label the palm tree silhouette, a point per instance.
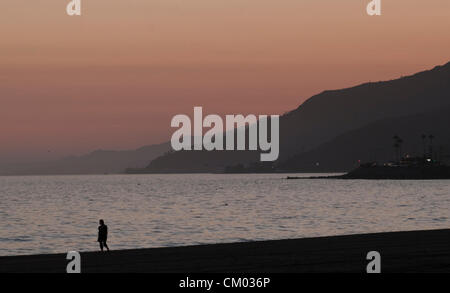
(431, 137)
(424, 141)
(397, 146)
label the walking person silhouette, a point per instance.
(102, 235)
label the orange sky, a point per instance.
(114, 77)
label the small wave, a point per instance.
(441, 219)
(17, 239)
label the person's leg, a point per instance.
(106, 245)
(101, 245)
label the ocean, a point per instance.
(51, 214)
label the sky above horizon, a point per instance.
(114, 77)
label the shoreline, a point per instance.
(411, 251)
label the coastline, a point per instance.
(411, 251)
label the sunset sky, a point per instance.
(114, 77)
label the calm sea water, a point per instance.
(47, 214)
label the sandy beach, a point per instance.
(415, 251)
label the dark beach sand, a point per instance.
(416, 251)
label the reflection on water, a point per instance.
(46, 214)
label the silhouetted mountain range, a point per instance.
(97, 162)
(333, 127)
(330, 131)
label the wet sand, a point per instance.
(416, 251)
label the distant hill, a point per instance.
(328, 115)
(97, 162)
(198, 161)
(374, 142)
